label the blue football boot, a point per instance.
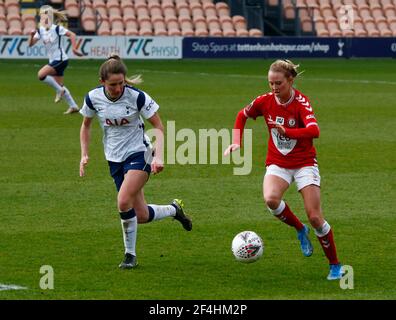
(305, 243)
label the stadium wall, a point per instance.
(96, 47)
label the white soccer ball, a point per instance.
(247, 246)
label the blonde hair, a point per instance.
(288, 68)
(59, 16)
(114, 65)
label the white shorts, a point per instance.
(304, 176)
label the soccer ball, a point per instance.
(247, 246)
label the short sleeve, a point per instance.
(306, 113)
(88, 109)
(62, 30)
(146, 105)
(37, 35)
(254, 109)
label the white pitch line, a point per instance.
(246, 76)
(263, 77)
(4, 287)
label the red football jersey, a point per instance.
(297, 113)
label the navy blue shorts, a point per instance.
(59, 66)
(135, 161)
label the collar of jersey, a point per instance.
(288, 102)
(113, 100)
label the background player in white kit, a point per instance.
(51, 34)
(120, 108)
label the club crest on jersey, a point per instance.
(116, 122)
(291, 122)
(128, 109)
(280, 120)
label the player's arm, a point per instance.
(32, 39)
(310, 130)
(250, 111)
(157, 165)
(72, 37)
(85, 137)
(237, 132)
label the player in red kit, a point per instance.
(291, 157)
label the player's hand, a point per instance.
(280, 128)
(157, 165)
(32, 32)
(77, 53)
(83, 163)
(231, 148)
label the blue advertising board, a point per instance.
(284, 47)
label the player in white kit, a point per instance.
(120, 108)
(52, 34)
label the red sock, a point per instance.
(288, 217)
(329, 247)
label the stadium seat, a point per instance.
(9, 3)
(312, 4)
(242, 33)
(273, 2)
(239, 21)
(126, 4)
(113, 4)
(89, 25)
(140, 4)
(255, 32)
(384, 29)
(3, 27)
(387, 4)
(321, 30)
(360, 4)
(28, 22)
(160, 28)
(104, 28)
(15, 27)
(117, 28)
(131, 28)
(222, 9)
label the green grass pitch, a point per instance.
(50, 216)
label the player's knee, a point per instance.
(41, 77)
(315, 220)
(272, 202)
(124, 204)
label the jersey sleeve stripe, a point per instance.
(141, 100)
(89, 102)
(312, 124)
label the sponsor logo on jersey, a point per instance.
(149, 106)
(116, 122)
(280, 120)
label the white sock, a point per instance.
(51, 81)
(129, 232)
(323, 230)
(69, 99)
(161, 212)
(279, 210)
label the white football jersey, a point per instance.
(52, 39)
(121, 120)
